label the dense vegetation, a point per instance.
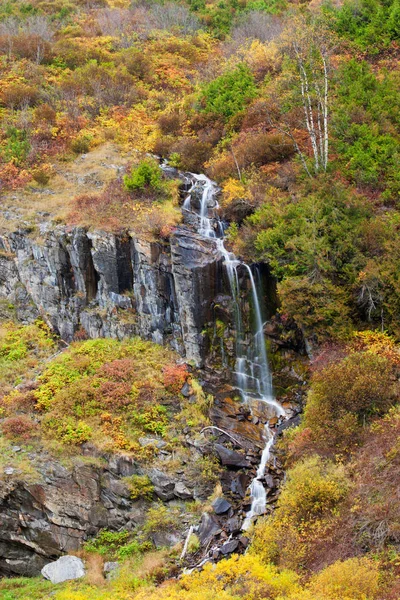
(294, 110)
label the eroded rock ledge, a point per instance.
(113, 285)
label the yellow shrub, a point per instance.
(353, 579)
(309, 498)
(313, 488)
(262, 58)
(237, 577)
(233, 189)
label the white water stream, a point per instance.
(252, 372)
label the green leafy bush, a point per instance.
(228, 94)
(146, 175)
(16, 146)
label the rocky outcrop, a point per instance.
(63, 507)
(42, 520)
(113, 285)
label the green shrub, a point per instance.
(107, 542)
(146, 175)
(160, 518)
(370, 24)
(228, 94)
(16, 146)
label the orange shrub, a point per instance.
(174, 377)
(12, 178)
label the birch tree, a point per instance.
(307, 49)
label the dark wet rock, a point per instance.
(113, 285)
(240, 484)
(270, 482)
(225, 414)
(221, 506)
(231, 458)
(40, 521)
(229, 547)
(208, 528)
(233, 525)
(164, 485)
(292, 422)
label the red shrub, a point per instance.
(115, 394)
(121, 369)
(174, 377)
(18, 427)
(12, 178)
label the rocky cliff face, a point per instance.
(118, 285)
(64, 506)
(113, 285)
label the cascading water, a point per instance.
(252, 372)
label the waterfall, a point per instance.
(252, 372)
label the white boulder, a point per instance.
(64, 569)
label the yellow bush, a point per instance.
(353, 579)
(233, 189)
(262, 58)
(313, 488)
(309, 498)
(242, 577)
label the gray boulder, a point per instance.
(221, 506)
(229, 547)
(64, 569)
(231, 458)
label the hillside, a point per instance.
(200, 299)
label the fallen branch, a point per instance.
(224, 432)
(185, 547)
